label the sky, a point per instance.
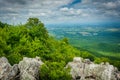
(60, 11)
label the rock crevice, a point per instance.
(84, 69)
(27, 69)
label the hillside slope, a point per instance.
(32, 39)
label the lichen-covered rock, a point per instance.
(118, 75)
(5, 68)
(81, 69)
(14, 73)
(29, 68)
(7, 72)
(86, 70)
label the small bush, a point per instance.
(54, 71)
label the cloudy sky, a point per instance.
(59, 11)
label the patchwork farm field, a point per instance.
(100, 40)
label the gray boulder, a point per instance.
(86, 70)
(7, 72)
(81, 69)
(14, 73)
(29, 68)
(118, 75)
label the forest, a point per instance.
(32, 39)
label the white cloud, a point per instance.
(111, 13)
(48, 4)
(64, 9)
(110, 5)
(61, 10)
(71, 11)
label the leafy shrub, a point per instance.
(54, 71)
(102, 59)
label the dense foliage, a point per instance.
(31, 40)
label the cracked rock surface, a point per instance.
(84, 69)
(27, 69)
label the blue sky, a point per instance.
(74, 2)
(60, 11)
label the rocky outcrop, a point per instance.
(84, 69)
(27, 69)
(81, 69)
(7, 72)
(5, 68)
